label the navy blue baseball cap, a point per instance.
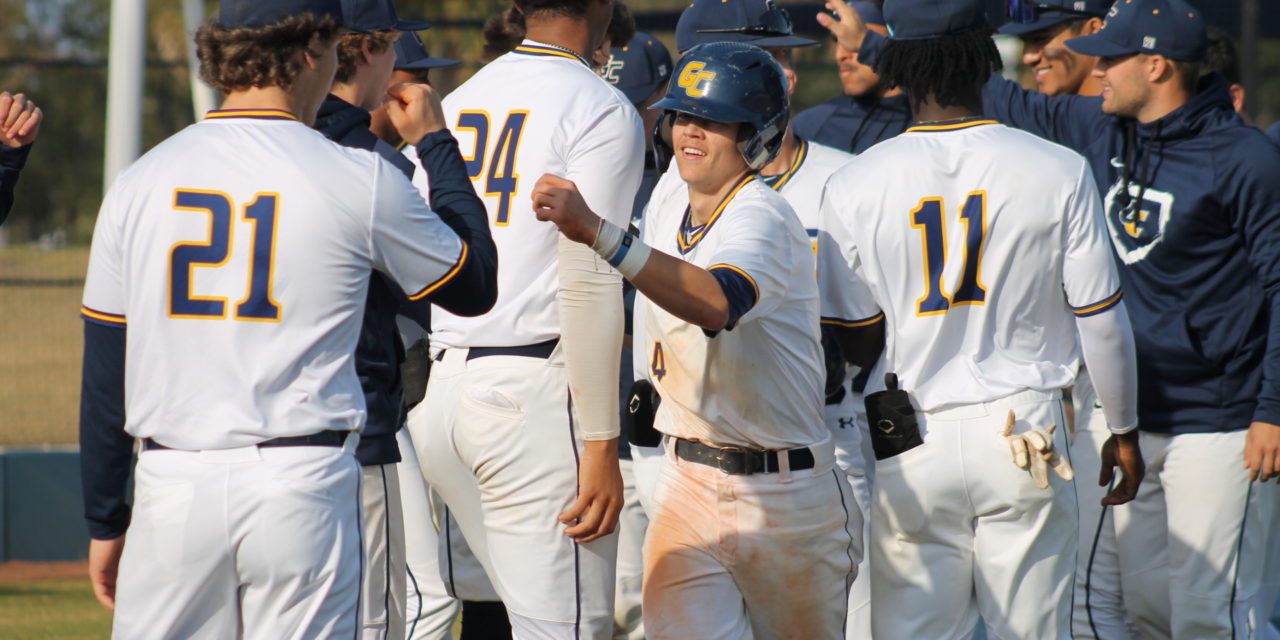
(925, 19)
(412, 54)
(639, 68)
(868, 11)
(1171, 28)
(377, 15)
(1027, 16)
(262, 13)
(760, 22)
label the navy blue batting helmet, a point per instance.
(734, 82)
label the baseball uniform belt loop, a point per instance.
(739, 461)
(541, 350)
(330, 438)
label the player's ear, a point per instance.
(1092, 25)
(791, 80)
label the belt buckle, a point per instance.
(721, 458)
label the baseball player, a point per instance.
(1174, 162)
(1044, 27)
(19, 125)
(365, 63)
(866, 111)
(752, 533)
(413, 65)
(520, 434)
(243, 235)
(961, 258)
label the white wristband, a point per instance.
(631, 257)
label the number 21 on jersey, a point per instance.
(257, 304)
(929, 217)
(501, 179)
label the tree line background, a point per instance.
(55, 51)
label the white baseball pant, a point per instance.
(628, 623)
(768, 555)
(1098, 612)
(243, 543)
(499, 445)
(1193, 545)
(382, 590)
(847, 421)
(960, 531)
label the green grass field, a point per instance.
(40, 343)
(55, 608)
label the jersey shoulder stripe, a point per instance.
(102, 317)
(446, 278)
(1099, 306)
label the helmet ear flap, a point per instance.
(759, 147)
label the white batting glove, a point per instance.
(1033, 450)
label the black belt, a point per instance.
(329, 438)
(541, 350)
(742, 461)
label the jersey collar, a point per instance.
(687, 244)
(780, 180)
(256, 114)
(952, 125)
(533, 48)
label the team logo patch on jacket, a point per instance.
(1137, 222)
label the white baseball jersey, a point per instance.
(539, 109)
(977, 254)
(758, 384)
(803, 181)
(238, 252)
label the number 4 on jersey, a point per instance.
(930, 218)
(501, 180)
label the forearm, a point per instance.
(105, 449)
(475, 289)
(591, 327)
(684, 290)
(1107, 342)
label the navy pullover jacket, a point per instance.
(1197, 237)
(106, 449)
(853, 124)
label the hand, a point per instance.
(1262, 451)
(595, 514)
(1121, 450)
(558, 200)
(415, 111)
(1033, 450)
(849, 30)
(19, 120)
(104, 561)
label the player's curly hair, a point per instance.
(351, 45)
(502, 33)
(239, 58)
(950, 69)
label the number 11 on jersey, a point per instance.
(930, 218)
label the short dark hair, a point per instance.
(622, 27)
(502, 32)
(570, 8)
(1221, 56)
(952, 69)
(351, 46)
(239, 58)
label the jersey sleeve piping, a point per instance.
(740, 272)
(853, 324)
(102, 317)
(1098, 307)
(457, 268)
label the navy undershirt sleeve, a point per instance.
(11, 163)
(740, 292)
(474, 290)
(106, 451)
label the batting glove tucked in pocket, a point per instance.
(1033, 450)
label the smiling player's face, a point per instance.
(707, 152)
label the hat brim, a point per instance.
(412, 25)
(1047, 19)
(1097, 44)
(783, 42)
(429, 63)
